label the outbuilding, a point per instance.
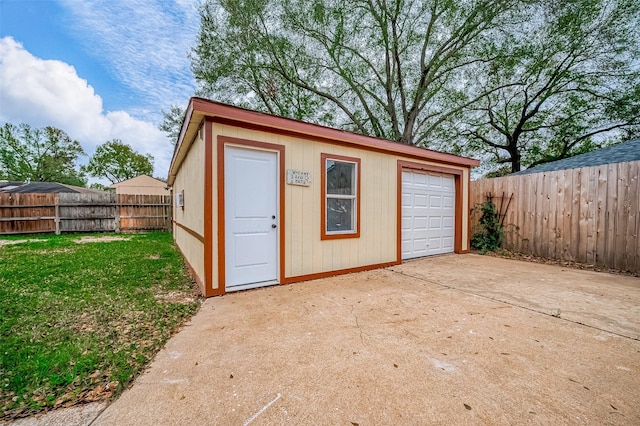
(262, 200)
(141, 185)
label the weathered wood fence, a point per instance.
(589, 215)
(60, 213)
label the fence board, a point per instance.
(552, 214)
(623, 216)
(612, 206)
(567, 176)
(601, 228)
(633, 244)
(16, 209)
(72, 212)
(589, 215)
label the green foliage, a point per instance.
(566, 83)
(390, 69)
(117, 161)
(99, 186)
(75, 318)
(521, 82)
(39, 155)
(488, 233)
(172, 122)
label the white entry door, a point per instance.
(251, 218)
(428, 212)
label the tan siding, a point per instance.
(141, 185)
(190, 178)
(192, 249)
(305, 253)
(465, 209)
(141, 190)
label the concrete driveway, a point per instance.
(457, 339)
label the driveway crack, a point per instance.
(554, 313)
(357, 324)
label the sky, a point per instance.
(98, 69)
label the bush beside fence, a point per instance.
(589, 215)
(71, 212)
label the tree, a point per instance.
(387, 68)
(172, 122)
(98, 186)
(117, 161)
(39, 155)
(574, 84)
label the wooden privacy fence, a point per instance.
(589, 215)
(64, 212)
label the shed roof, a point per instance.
(44, 188)
(141, 180)
(620, 153)
(199, 109)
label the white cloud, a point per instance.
(144, 44)
(50, 92)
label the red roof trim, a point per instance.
(238, 115)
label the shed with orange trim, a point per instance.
(262, 200)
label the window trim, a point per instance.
(333, 235)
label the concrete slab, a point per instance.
(429, 341)
(602, 301)
(79, 415)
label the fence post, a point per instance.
(57, 214)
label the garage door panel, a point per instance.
(406, 223)
(449, 183)
(447, 243)
(428, 211)
(435, 222)
(406, 200)
(447, 202)
(420, 200)
(419, 180)
(420, 223)
(435, 201)
(435, 181)
(419, 245)
(447, 223)
(435, 244)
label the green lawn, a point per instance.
(78, 322)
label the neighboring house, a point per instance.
(141, 185)
(263, 200)
(44, 188)
(620, 153)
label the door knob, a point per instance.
(273, 225)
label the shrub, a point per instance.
(488, 234)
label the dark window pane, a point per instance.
(340, 178)
(340, 215)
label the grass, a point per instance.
(78, 322)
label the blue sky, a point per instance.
(99, 69)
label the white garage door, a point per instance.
(428, 212)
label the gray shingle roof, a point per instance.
(43, 188)
(620, 153)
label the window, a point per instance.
(340, 197)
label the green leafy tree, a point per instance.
(573, 77)
(39, 155)
(387, 68)
(98, 186)
(117, 161)
(172, 122)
